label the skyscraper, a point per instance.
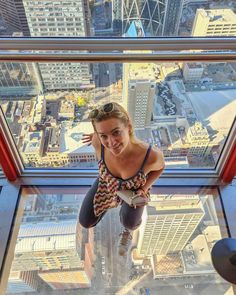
(158, 17)
(192, 72)
(19, 79)
(139, 92)
(61, 19)
(13, 14)
(61, 253)
(199, 140)
(140, 102)
(117, 16)
(22, 281)
(173, 11)
(168, 224)
(214, 22)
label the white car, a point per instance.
(103, 270)
(103, 260)
(188, 286)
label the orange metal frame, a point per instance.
(6, 160)
(229, 170)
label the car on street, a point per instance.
(188, 286)
(103, 260)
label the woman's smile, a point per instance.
(116, 148)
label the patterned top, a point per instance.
(106, 196)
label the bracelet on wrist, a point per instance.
(142, 190)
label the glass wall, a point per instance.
(184, 108)
(50, 251)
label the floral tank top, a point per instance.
(106, 195)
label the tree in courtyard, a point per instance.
(81, 101)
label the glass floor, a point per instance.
(50, 253)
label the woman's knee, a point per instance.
(130, 223)
(85, 222)
(130, 217)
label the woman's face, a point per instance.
(114, 135)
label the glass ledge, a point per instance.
(50, 253)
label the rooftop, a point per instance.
(142, 71)
(33, 142)
(214, 109)
(71, 135)
(46, 236)
(169, 264)
(218, 15)
(194, 65)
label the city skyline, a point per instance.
(165, 100)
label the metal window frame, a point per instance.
(171, 48)
(13, 156)
(110, 49)
(222, 56)
(106, 44)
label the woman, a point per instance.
(124, 163)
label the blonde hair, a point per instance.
(117, 112)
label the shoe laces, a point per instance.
(125, 237)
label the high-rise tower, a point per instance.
(60, 253)
(61, 19)
(173, 11)
(214, 22)
(13, 14)
(19, 79)
(168, 224)
(139, 92)
(158, 17)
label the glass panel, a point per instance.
(186, 109)
(135, 18)
(170, 250)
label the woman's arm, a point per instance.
(92, 138)
(151, 178)
(155, 167)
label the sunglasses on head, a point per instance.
(106, 108)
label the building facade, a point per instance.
(61, 19)
(192, 72)
(214, 22)
(158, 17)
(19, 79)
(55, 252)
(13, 14)
(139, 92)
(168, 224)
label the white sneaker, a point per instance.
(124, 242)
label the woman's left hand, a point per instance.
(142, 193)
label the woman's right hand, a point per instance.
(87, 138)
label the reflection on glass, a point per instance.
(186, 109)
(170, 250)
